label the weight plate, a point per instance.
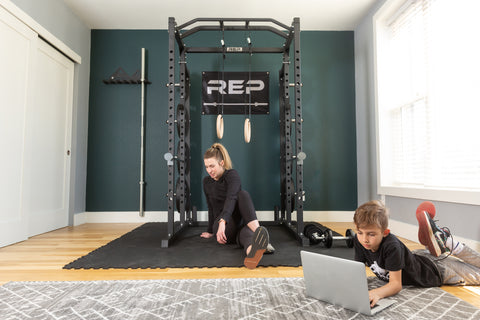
(309, 230)
(186, 119)
(185, 196)
(350, 235)
(328, 234)
(186, 160)
(292, 197)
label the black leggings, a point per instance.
(237, 230)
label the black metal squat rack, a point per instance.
(291, 154)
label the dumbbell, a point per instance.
(316, 235)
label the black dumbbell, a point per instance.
(314, 231)
(317, 235)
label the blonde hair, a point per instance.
(219, 152)
(371, 213)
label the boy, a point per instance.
(394, 263)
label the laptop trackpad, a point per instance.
(382, 304)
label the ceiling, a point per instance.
(153, 14)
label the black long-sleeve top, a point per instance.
(393, 255)
(221, 196)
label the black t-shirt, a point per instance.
(222, 195)
(393, 255)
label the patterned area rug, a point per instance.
(272, 298)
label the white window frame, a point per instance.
(384, 184)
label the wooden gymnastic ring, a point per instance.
(220, 126)
(247, 130)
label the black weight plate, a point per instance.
(292, 190)
(186, 121)
(350, 235)
(186, 161)
(328, 234)
(309, 230)
(185, 196)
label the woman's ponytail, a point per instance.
(219, 152)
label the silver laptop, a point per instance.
(340, 282)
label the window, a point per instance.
(428, 99)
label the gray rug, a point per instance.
(272, 298)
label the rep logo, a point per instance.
(235, 86)
(235, 92)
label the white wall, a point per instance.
(365, 102)
(463, 220)
(60, 21)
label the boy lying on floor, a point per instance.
(394, 263)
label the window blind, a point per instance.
(429, 110)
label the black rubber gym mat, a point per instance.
(141, 248)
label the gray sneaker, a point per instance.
(430, 235)
(259, 245)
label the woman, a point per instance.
(231, 215)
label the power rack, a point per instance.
(292, 193)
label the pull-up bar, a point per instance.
(222, 25)
(285, 32)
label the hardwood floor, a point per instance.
(42, 257)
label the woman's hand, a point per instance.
(206, 235)
(221, 237)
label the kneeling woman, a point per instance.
(231, 214)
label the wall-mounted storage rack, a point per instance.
(121, 77)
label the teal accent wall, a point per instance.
(328, 101)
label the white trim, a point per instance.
(328, 216)
(410, 232)
(150, 216)
(455, 196)
(385, 185)
(79, 219)
(119, 217)
(42, 32)
(161, 216)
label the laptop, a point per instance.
(340, 282)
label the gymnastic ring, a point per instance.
(220, 126)
(247, 130)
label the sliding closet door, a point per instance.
(48, 142)
(36, 102)
(17, 58)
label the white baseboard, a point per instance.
(161, 216)
(398, 228)
(79, 218)
(120, 217)
(328, 216)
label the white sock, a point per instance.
(454, 246)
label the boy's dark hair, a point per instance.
(371, 213)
